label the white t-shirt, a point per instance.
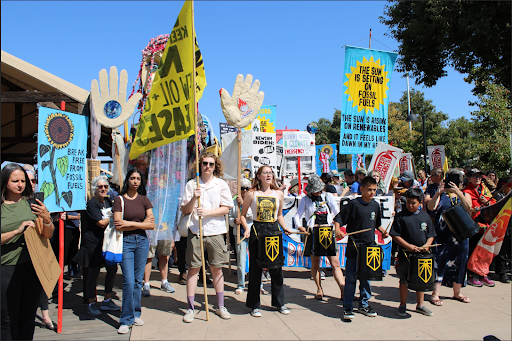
(213, 196)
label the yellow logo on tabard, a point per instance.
(272, 247)
(425, 269)
(325, 236)
(373, 257)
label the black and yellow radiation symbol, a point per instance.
(425, 269)
(373, 257)
(266, 209)
(325, 237)
(272, 247)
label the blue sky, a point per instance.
(295, 48)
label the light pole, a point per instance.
(412, 118)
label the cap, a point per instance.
(360, 171)
(334, 173)
(407, 176)
(474, 171)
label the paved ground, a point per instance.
(489, 313)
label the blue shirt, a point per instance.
(356, 187)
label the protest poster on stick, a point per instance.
(61, 162)
(263, 151)
(406, 163)
(385, 160)
(364, 102)
(326, 158)
(265, 122)
(436, 156)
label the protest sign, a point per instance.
(364, 102)
(436, 156)
(385, 160)
(226, 128)
(265, 121)
(298, 143)
(326, 158)
(169, 110)
(405, 163)
(357, 162)
(61, 162)
(263, 151)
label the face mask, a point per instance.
(316, 197)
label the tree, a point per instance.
(460, 140)
(329, 132)
(492, 123)
(473, 37)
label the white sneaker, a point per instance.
(256, 312)
(138, 322)
(189, 316)
(283, 310)
(123, 329)
(223, 312)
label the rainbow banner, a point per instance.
(364, 102)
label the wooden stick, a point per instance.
(426, 247)
(197, 162)
(352, 233)
(228, 239)
(304, 233)
(241, 240)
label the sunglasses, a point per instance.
(209, 164)
(244, 188)
(102, 186)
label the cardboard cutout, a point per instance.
(241, 108)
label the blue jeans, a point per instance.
(135, 252)
(350, 286)
(241, 259)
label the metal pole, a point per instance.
(425, 145)
(370, 44)
(408, 102)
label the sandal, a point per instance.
(461, 298)
(238, 291)
(48, 325)
(319, 297)
(437, 302)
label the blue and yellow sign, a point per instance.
(364, 102)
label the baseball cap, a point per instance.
(407, 176)
(360, 171)
(474, 171)
(334, 173)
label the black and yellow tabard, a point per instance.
(369, 262)
(421, 272)
(324, 242)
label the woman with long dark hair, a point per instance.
(266, 203)
(133, 214)
(20, 285)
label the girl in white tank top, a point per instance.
(265, 206)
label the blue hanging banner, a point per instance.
(364, 102)
(326, 158)
(61, 159)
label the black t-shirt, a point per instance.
(92, 234)
(330, 189)
(415, 228)
(359, 215)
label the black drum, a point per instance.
(324, 242)
(421, 272)
(270, 249)
(460, 223)
(369, 262)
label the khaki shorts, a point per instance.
(214, 245)
(163, 248)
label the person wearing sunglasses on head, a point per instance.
(215, 202)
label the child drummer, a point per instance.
(413, 231)
(359, 214)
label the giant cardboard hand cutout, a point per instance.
(109, 108)
(241, 108)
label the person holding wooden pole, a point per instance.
(208, 217)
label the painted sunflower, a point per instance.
(59, 130)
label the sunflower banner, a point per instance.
(61, 159)
(364, 102)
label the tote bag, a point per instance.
(113, 241)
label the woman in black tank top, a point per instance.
(267, 202)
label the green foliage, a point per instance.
(329, 132)
(474, 37)
(47, 189)
(62, 165)
(43, 149)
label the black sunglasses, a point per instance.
(244, 188)
(211, 164)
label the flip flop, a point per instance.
(461, 298)
(437, 302)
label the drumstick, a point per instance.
(298, 232)
(351, 233)
(426, 247)
(241, 240)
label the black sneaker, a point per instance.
(368, 311)
(504, 278)
(348, 314)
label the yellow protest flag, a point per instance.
(169, 111)
(445, 165)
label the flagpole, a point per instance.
(197, 161)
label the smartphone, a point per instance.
(37, 195)
(455, 178)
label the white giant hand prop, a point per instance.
(109, 108)
(241, 108)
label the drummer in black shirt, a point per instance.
(359, 214)
(413, 231)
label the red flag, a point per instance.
(490, 243)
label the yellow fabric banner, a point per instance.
(169, 111)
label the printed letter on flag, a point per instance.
(169, 111)
(364, 102)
